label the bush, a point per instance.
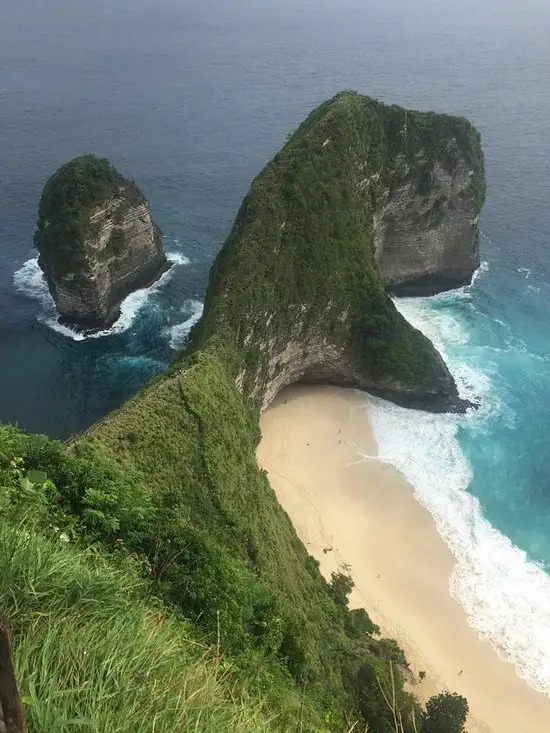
(445, 713)
(359, 624)
(341, 585)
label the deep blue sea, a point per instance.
(191, 98)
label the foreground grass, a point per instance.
(130, 614)
(93, 655)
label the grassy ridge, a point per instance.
(236, 552)
(214, 551)
(224, 549)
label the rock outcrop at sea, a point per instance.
(363, 198)
(97, 242)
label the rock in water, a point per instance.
(97, 242)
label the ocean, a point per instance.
(191, 99)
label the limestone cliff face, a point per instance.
(97, 242)
(311, 354)
(427, 240)
(362, 198)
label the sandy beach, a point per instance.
(364, 513)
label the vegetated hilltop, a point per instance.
(168, 487)
(96, 240)
(296, 290)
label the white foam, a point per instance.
(483, 267)
(30, 281)
(506, 597)
(177, 258)
(178, 333)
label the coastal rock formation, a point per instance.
(294, 294)
(427, 229)
(361, 197)
(97, 242)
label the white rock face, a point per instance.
(308, 353)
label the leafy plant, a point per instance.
(445, 713)
(341, 585)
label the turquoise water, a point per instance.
(484, 476)
(191, 99)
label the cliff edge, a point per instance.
(362, 197)
(97, 241)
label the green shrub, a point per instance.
(445, 713)
(341, 585)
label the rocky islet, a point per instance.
(97, 242)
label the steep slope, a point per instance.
(96, 240)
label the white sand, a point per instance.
(364, 514)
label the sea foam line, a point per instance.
(29, 280)
(505, 595)
(180, 331)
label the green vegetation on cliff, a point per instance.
(94, 651)
(300, 261)
(70, 196)
(167, 489)
(262, 627)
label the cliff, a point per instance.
(97, 241)
(363, 195)
(426, 211)
(294, 294)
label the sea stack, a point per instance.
(97, 242)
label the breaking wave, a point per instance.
(29, 280)
(179, 332)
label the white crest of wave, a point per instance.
(506, 596)
(180, 331)
(30, 281)
(177, 259)
(483, 267)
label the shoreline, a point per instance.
(363, 513)
(89, 327)
(30, 282)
